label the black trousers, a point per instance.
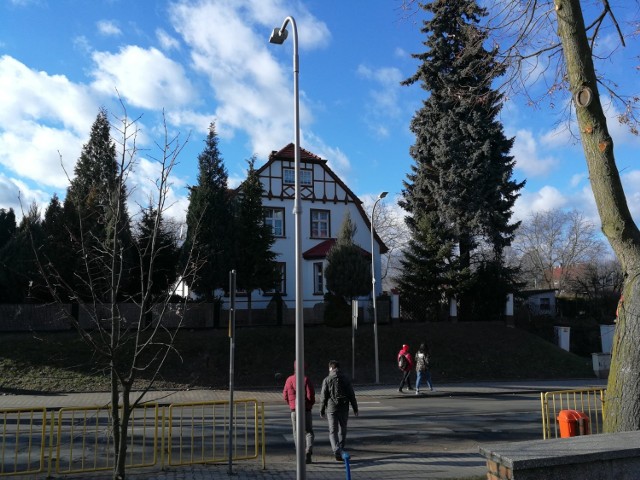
(406, 378)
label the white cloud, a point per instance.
(32, 95)
(144, 77)
(142, 190)
(528, 157)
(108, 28)
(42, 117)
(547, 198)
(18, 195)
(229, 45)
(167, 42)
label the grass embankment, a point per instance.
(61, 362)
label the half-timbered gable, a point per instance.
(325, 199)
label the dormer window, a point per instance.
(289, 174)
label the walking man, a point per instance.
(289, 396)
(335, 397)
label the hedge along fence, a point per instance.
(55, 317)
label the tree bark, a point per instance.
(622, 403)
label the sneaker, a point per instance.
(339, 457)
(417, 392)
(400, 390)
(409, 388)
(308, 458)
(432, 389)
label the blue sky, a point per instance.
(210, 60)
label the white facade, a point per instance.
(324, 201)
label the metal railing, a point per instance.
(77, 440)
(590, 401)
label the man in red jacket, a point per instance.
(405, 364)
(289, 396)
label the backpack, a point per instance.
(402, 362)
(338, 390)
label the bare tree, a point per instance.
(553, 244)
(132, 349)
(392, 230)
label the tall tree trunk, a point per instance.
(622, 406)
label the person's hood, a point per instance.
(405, 348)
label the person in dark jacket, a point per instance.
(335, 397)
(289, 396)
(406, 367)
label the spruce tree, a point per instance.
(96, 215)
(209, 220)
(462, 165)
(158, 255)
(348, 272)
(58, 250)
(7, 225)
(19, 275)
(253, 259)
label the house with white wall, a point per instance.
(324, 200)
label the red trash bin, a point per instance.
(573, 423)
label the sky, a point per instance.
(193, 62)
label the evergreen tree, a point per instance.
(462, 165)
(209, 220)
(96, 213)
(57, 248)
(254, 260)
(158, 255)
(19, 274)
(348, 272)
(7, 225)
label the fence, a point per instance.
(590, 401)
(79, 440)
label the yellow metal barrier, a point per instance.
(85, 442)
(590, 401)
(79, 440)
(198, 432)
(23, 442)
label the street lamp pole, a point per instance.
(373, 289)
(278, 36)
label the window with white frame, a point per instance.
(318, 278)
(274, 217)
(281, 282)
(320, 223)
(289, 176)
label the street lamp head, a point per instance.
(383, 194)
(278, 36)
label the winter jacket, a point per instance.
(404, 351)
(289, 392)
(422, 362)
(330, 404)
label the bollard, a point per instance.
(346, 457)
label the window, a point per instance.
(320, 224)
(281, 284)
(545, 304)
(306, 177)
(318, 278)
(274, 217)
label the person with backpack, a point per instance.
(423, 367)
(335, 397)
(289, 396)
(405, 364)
